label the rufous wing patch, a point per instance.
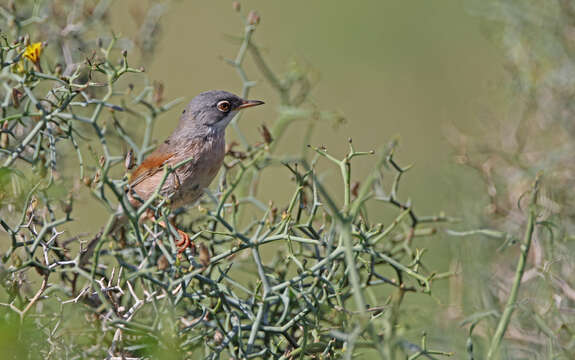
(151, 165)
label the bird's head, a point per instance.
(213, 110)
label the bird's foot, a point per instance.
(185, 242)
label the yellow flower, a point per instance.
(33, 52)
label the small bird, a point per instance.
(200, 135)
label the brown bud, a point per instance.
(32, 207)
(122, 241)
(67, 205)
(102, 161)
(355, 188)
(163, 263)
(129, 160)
(158, 92)
(254, 17)
(304, 201)
(96, 177)
(16, 96)
(4, 136)
(237, 6)
(235, 202)
(266, 135)
(204, 256)
(124, 53)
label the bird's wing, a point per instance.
(151, 165)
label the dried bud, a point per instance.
(4, 136)
(26, 40)
(204, 256)
(355, 188)
(129, 160)
(304, 201)
(124, 53)
(158, 92)
(254, 18)
(16, 96)
(87, 181)
(237, 6)
(177, 183)
(102, 161)
(162, 263)
(96, 177)
(266, 135)
(32, 207)
(67, 205)
(235, 203)
(122, 241)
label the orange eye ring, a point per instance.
(224, 106)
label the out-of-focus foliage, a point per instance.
(318, 277)
(538, 135)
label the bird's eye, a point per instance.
(224, 106)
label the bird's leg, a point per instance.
(184, 241)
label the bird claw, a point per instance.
(185, 242)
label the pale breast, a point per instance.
(186, 185)
(192, 179)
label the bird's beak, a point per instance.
(249, 103)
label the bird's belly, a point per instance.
(191, 181)
(187, 183)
